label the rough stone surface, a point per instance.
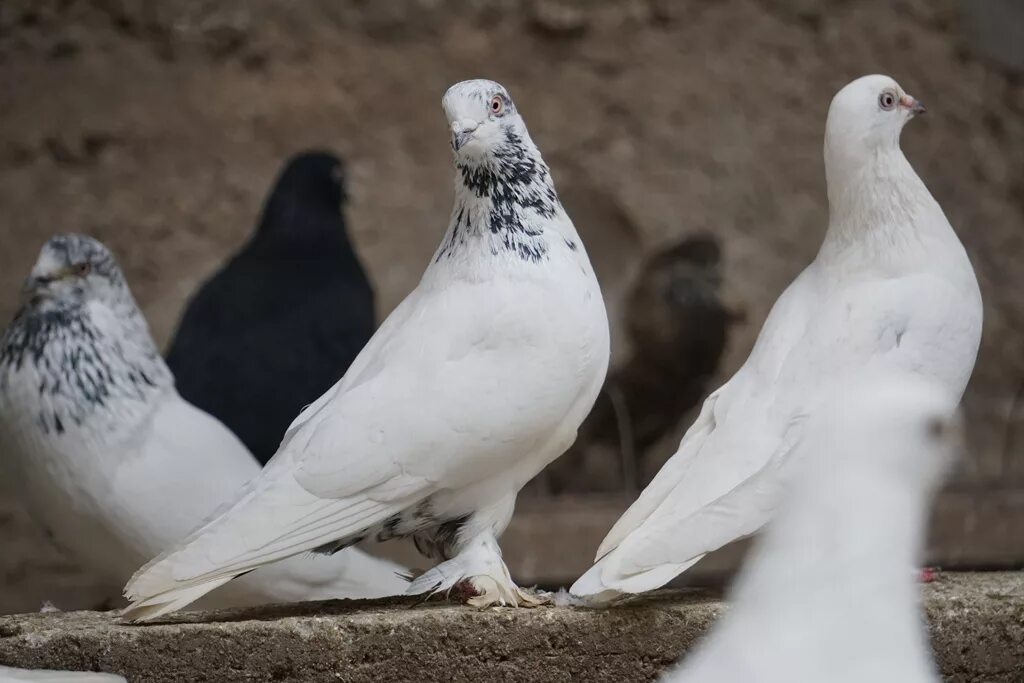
(977, 627)
(158, 127)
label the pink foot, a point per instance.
(928, 574)
(462, 591)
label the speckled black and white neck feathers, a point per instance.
(505, 200)
(79, 346)
(504, 194)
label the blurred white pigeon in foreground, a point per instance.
(108, 458)
(472, 385)
(11, 675)
(890, 289)
(829, 593)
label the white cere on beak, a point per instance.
(912, 105)
(462, 131)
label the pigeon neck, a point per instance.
(504, 204)
(89, 367)
(879, 203)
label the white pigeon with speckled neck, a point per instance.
(106, 455)
(474, 383)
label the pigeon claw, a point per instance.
(490, 593)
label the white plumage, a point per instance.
(891, 289)
(476, 381)
(11, 675)
(107, 456)
(830, 592)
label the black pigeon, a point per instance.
(284, 318)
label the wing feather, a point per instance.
(389, 434)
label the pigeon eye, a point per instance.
(81, 269)
(497, 105)
(887, 100)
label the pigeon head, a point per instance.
(302, 218)
(483, 119)
(503, 188)
(71, 271)
(79, 341)
(314, 178)
(866, 118)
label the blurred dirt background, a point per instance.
(158, 127)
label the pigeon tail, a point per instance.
(351, 573)
(602, 584)
(170, 601)
(238, 539)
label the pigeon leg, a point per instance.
(479, 573)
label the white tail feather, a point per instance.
(272, 521)
(601, 585)
(170, 601)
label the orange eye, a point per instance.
(82, 269)
(497, 105)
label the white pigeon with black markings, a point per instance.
(106, 455)
(830, 591)
(891, 288)
(475, 382)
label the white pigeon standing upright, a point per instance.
(891, 288)
(475, 382)
(106, 455)
(829, 592)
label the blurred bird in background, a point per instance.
(106, 455)
(677, 321)
(829, 592)
(282, 321)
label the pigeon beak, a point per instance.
(462, 132)
(912, 105)
(38, 284)
(35, 288)
(34, 283)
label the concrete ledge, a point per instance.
(977, 624)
